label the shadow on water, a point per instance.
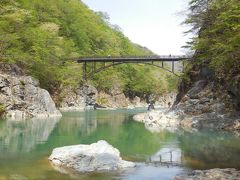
(25, 146)
(209, 149)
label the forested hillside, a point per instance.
(40, 35)
(216, 26)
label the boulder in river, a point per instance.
(99, 156)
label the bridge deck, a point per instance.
(132, 59)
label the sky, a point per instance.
(154, 24)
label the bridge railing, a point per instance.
(132, 58)
(135, 57)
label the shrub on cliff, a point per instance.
(2, 109)
(217, 41)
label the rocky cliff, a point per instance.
(21, 97)
(83, 97)
(115, 98)
(205, 102)
(202, 102)
(88, 97)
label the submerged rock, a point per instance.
(99, 156)
(212, 174)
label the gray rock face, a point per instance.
(212, 174)
(203, 107)
(115, 98)
(22, 98)
(11, 69)
(196, 89)
(234, 90)
(82, 98)
(165, 101)
(99, 156)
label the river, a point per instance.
(26, 145)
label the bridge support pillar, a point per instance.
(173, 66)
(183, 66)
(85, 71)
(94, 66)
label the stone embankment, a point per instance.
(21, 97)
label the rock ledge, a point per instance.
(22, 98)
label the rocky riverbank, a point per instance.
(87, 97)
(204, 104)
(81, 98)
(204, 101)
(198, 109)
(21, 97)
(158, 120)
(212, 174)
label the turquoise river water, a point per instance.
(26, 145)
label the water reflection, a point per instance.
(168, 156)
(88, 121)
(199, 150)
(116, 127)
(35, 139)
(209, 149)
(23, 136)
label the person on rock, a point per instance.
(151, 106)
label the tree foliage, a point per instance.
(217, 25)
(40, 35)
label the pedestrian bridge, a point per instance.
(172, 63)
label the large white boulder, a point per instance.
(99, 156)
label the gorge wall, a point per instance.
(21, 97)
(204, 102)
